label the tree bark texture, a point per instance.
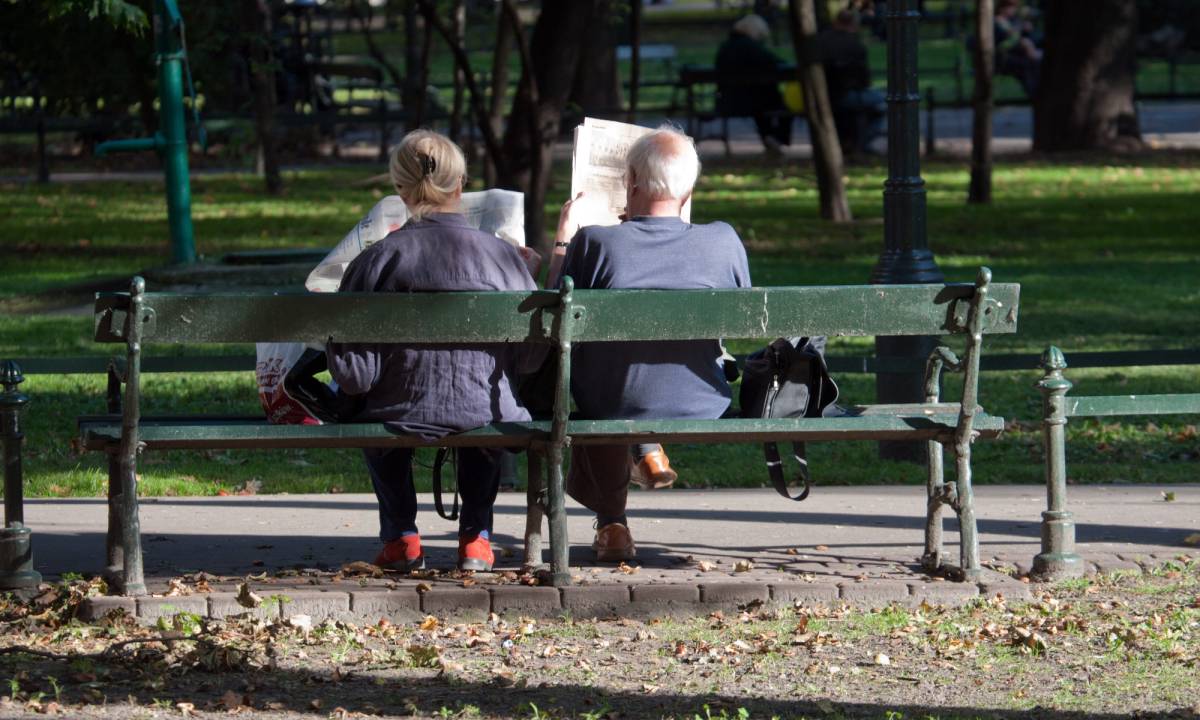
(412, 92)
(597, 89)
(256, 26)
(475, 96)
(1085, 96)
(499, 89)
(460, 35)
(827, 153)
(981, 131)
(635, 56)
(547, 77)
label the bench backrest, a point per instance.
(596, 315)
(771, 312)
(344, 317)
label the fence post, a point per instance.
(16, 552)
(1058, 559)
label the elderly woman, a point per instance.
(432, 390)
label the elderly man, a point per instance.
(652, 248)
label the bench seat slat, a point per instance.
(229, 432)
(1108, 405)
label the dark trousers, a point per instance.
(776, 125)
(478, 475)
(599, 479)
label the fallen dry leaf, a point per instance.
(1193, 540)
(705, 566)
(361, 568)
(882, 659)
(186, 708)
(743, 566)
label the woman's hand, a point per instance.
(533, 261)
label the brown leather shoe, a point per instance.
(613, 543)
(653, 472)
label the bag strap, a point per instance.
(438, 461)
(775, 469)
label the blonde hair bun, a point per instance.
(427, 169)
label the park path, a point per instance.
(857, 544)
(1165, 125)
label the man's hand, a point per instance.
(568, 219)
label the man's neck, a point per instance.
(657, 208)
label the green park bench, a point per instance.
(1058, 559)
(702, 103)
(557, 318)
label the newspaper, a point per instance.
(499, 212)
(598, 169)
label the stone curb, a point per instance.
(634, 600)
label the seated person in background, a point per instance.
(1017, 53)
(653, 248)
(858, 110)
(744, 53)
(433, 390)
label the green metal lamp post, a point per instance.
(906, 257)
(171, 139)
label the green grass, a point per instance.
(1106, 254)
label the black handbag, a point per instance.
(788, 379)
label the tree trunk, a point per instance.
(460, 34)
(635, 56)
(597, 87)
(412, 92)
(827, 153)
(547, 79)
(256, 24)
(499, 88)
(1085, 96)
(981, 132)
(463, 62)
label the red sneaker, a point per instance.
(475, 554)
(403, 554)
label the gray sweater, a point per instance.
(431, 390)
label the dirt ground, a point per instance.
(1117, 645)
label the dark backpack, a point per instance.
(788, 379)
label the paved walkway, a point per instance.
(857, 544)
(1165, 125)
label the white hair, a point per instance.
(664, 163)
(753, 27)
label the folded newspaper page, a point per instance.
(598, 169)
(499, 212)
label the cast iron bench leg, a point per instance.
(132, 579)
(534, 509)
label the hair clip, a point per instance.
(428, 165)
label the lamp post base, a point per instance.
(16, 559)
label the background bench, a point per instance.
(560, 319)
(702, 103)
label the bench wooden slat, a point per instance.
(854, 310)
(229, 432)
(344, 317)
(199, 433)
(1107, 405)
(604, 315)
